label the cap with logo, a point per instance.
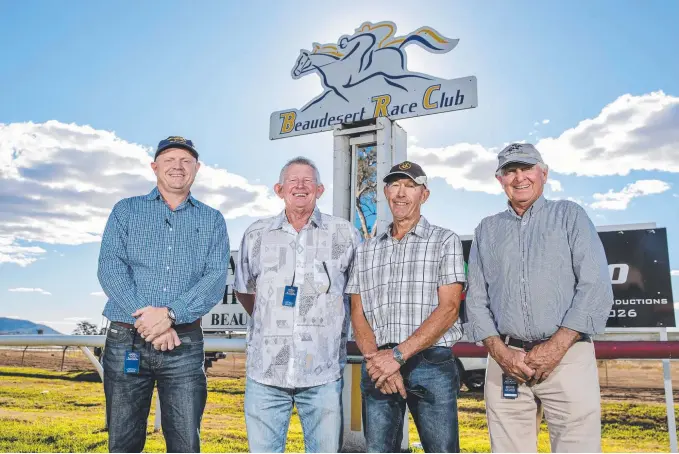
(523, 153)
(176, 142)
(408, 169)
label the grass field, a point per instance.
(48, 411)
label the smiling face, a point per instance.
(405, 198)
(523, 184)
(175, 170)
(299, 190)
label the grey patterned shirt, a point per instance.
(304, 345)
(530, 275)
(398, 280)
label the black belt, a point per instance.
(184, 327)
(528, 345)
(387, 346)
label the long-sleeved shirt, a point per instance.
(531, 275)
(154, 256)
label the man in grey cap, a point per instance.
(539, 288)
(406, 285)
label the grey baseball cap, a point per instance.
(523, 153)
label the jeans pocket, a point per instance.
(438, 356)
(118, 336)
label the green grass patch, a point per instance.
(46, 411)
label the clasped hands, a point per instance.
(534, 366)
(154, 325)
(384, 370)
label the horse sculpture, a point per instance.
(371, 55)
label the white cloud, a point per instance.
(620, 200)
(77, 319)
(28, 290)
(98, 294)
(545, 121)
(674, 272)
(555, 185)
(631, 133)
(58, 183)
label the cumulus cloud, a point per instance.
(77, 319)
(675, 273)
(631, 133)
(28, 290)
(98, 294)
(619, 200)
(555, 185)
(58, 183)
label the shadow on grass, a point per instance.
(80, 376)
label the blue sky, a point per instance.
(122, 76)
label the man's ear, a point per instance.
(319, 191)
(425, 194)
(277, 188)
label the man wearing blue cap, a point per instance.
(539, 288)
(163, 265)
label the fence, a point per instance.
(613, 349)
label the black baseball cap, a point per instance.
(408, 169)
(176, 142)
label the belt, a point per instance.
(528, 345)
(387, 346)
(184, 327)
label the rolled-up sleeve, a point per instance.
(593, 297)
(353, 286)
(480, 321)
(451, 268)
(244, 280)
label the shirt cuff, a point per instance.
(477, 332)
(579, 321)
(352, 290)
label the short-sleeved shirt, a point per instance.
(398, 280)
(304, 345)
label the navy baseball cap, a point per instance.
(176, 142)
(407, 169)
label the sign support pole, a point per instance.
(669, 397)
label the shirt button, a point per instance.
(170, 229)
(170, 248)
(165, 289)
(168, 268)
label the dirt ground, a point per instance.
(620, 380)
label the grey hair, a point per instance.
(300, 160)
(542, 165)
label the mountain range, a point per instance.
(17, 326)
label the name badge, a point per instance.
(132, 359)
(510, 387)
(290, 296)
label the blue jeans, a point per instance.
(432, 382)
(268, 410)
(182, 389)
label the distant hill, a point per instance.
(16, 326)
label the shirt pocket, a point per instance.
(322, 279)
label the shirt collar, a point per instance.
(156, 195)
(533, 209)
(316, 220)
(421, 229)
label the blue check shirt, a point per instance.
(153, 256)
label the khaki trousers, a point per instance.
(570, 399)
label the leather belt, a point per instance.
(528, 345)
(184, 327)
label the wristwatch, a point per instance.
(398, 356)
(172, 316)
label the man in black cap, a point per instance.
(162, 264)
(406, 286)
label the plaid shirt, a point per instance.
(153, 256)
(398, 280)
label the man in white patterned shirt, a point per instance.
(406, 287)
(290, 276)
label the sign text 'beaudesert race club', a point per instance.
(365, 75)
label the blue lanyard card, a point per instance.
(510, 387)
(132, 359)
(290, 296)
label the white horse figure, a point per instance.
(371, 53)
